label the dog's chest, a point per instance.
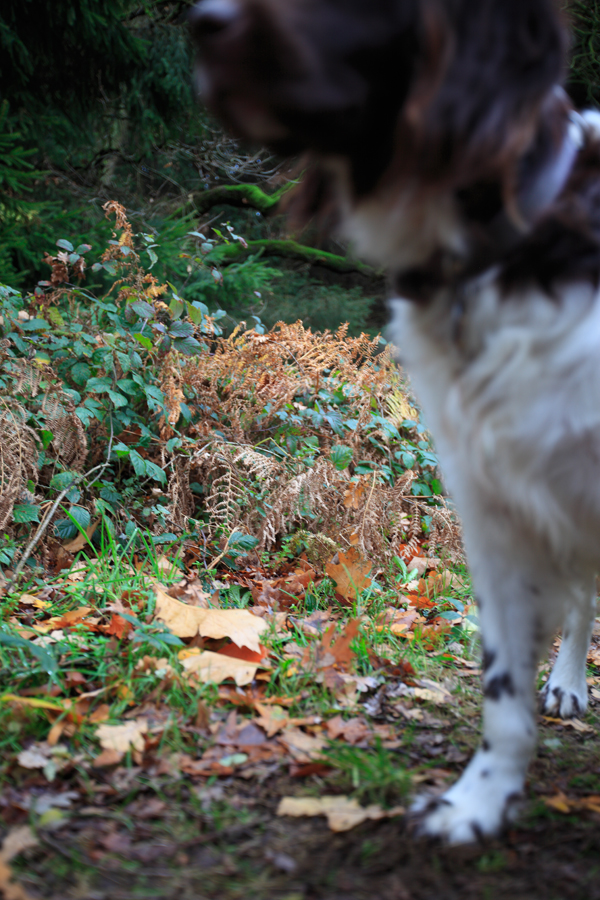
(510, 388)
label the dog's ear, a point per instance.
(486, 68)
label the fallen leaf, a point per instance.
(214, 668)
(122, 737)
(82, 539)
(354, 493)
(118, 626)
(343, 813)
(351, 730)
(301, 746)
(561, 803)
(272, 718)
(15, 842)
(350, 574)
(31, 600)
(244, 653)
(575, 724)
(243, 628)
(108, 758)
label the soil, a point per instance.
(239, 848)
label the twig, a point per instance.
(46, 521)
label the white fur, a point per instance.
(510, 388)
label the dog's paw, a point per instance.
(563, 698)
(478, 806)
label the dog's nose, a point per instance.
(213, 16)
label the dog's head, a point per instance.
(432, 93)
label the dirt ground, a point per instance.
(175, 840)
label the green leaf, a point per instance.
(166, 538)
(128, 385)
(143, 340)
(340, 456)
(155, 392)
(189, 346)
(241, 543)
(121, 449)
(99, 385)
(47, 437)
(137, 462)
(65, 245)
(142, 309)
(62, 480)
(118, 399)
(81, 516)
(80, 373)
(44, 654)
(181, 330)
(155, 472)
(35, 325)
(176, 307)
(153, 257)
(26, 512)
(65, 529)
(196, 315)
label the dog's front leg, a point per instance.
(521, 602)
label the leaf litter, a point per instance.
(263, 667)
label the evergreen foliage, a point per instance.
(584, 81)
(98, 74)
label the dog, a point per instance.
(442, 145)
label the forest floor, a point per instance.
(131, 772)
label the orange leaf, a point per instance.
(118, 626)
(243, 653)
(350, 574)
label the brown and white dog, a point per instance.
(444, 147)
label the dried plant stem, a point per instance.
(48, 517)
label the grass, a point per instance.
(429, 739)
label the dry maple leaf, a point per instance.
(343, 813)
(272, 718)
(350, 574)
(243, 628)
(214, 668)
(122, 737)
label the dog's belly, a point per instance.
(510, 388)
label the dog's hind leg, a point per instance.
(565, 692)
(522, 598)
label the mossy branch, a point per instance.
(226, 254)
(249, 195)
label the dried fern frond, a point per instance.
(18, 459)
